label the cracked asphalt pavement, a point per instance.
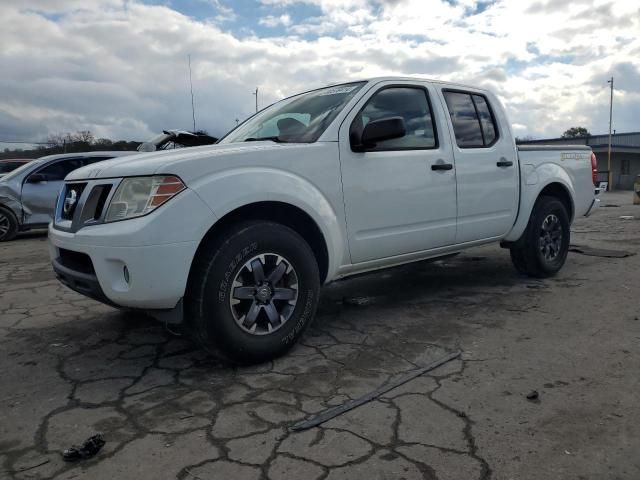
(71, 367)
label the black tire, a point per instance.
(8, 225)
(545, 242)
(217, 324)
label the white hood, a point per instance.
(179, 162)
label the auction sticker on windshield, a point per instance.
(337, 90)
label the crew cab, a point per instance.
(236, 239)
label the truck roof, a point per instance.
(409, 78)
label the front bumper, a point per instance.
(141, 263)
(155, 278)
(85, 283)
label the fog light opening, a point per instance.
(125, 272)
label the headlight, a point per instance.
(137, 196)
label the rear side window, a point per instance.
(473, 122)
(487, 122)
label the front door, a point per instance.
(40, 192)
(400, 196)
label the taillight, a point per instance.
(594, 169)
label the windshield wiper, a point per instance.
(260, 139)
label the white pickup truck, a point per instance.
(235, 239)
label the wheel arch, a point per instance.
(558, 188)
(279, 212)
(559, 191)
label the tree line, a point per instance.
(80, 141)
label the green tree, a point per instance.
(574, 132)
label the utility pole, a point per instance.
(256, 94)
(193, 108)
(610, 179)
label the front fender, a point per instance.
(13, 203)
(534, 180)
(229, 190)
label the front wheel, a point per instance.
(8, 225)
(252, 292)
(546, 240)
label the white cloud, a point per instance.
(120, 68)
(273, 21)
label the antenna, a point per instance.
(193, 108)
(256, 94)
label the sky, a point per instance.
(119, 68)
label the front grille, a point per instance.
(76, 261)
(95, 203)
(83, 203)
(70, 198)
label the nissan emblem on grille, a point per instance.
(69, 201)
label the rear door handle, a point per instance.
(505, 163)
(442, 166)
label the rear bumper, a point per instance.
(595, 204)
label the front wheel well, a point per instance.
(560, 192)
(278, 212)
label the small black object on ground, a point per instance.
(533, 396)
(88, 449)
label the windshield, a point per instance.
(298, 119)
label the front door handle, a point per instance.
(504, 163)
(442, 166)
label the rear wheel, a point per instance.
(546, 240)
(8, 225)
(252, 292)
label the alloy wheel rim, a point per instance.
(4, 224)
(551, 237)
(264, 294)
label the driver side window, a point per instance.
(410, 103)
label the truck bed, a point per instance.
(570, 162)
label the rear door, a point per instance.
(486, 165)
(39, 197)
(396, 201)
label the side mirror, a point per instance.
(380, 130)
(37, 178)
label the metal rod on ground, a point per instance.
(351, 404)
(610, 179)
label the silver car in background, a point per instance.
(28, 194)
